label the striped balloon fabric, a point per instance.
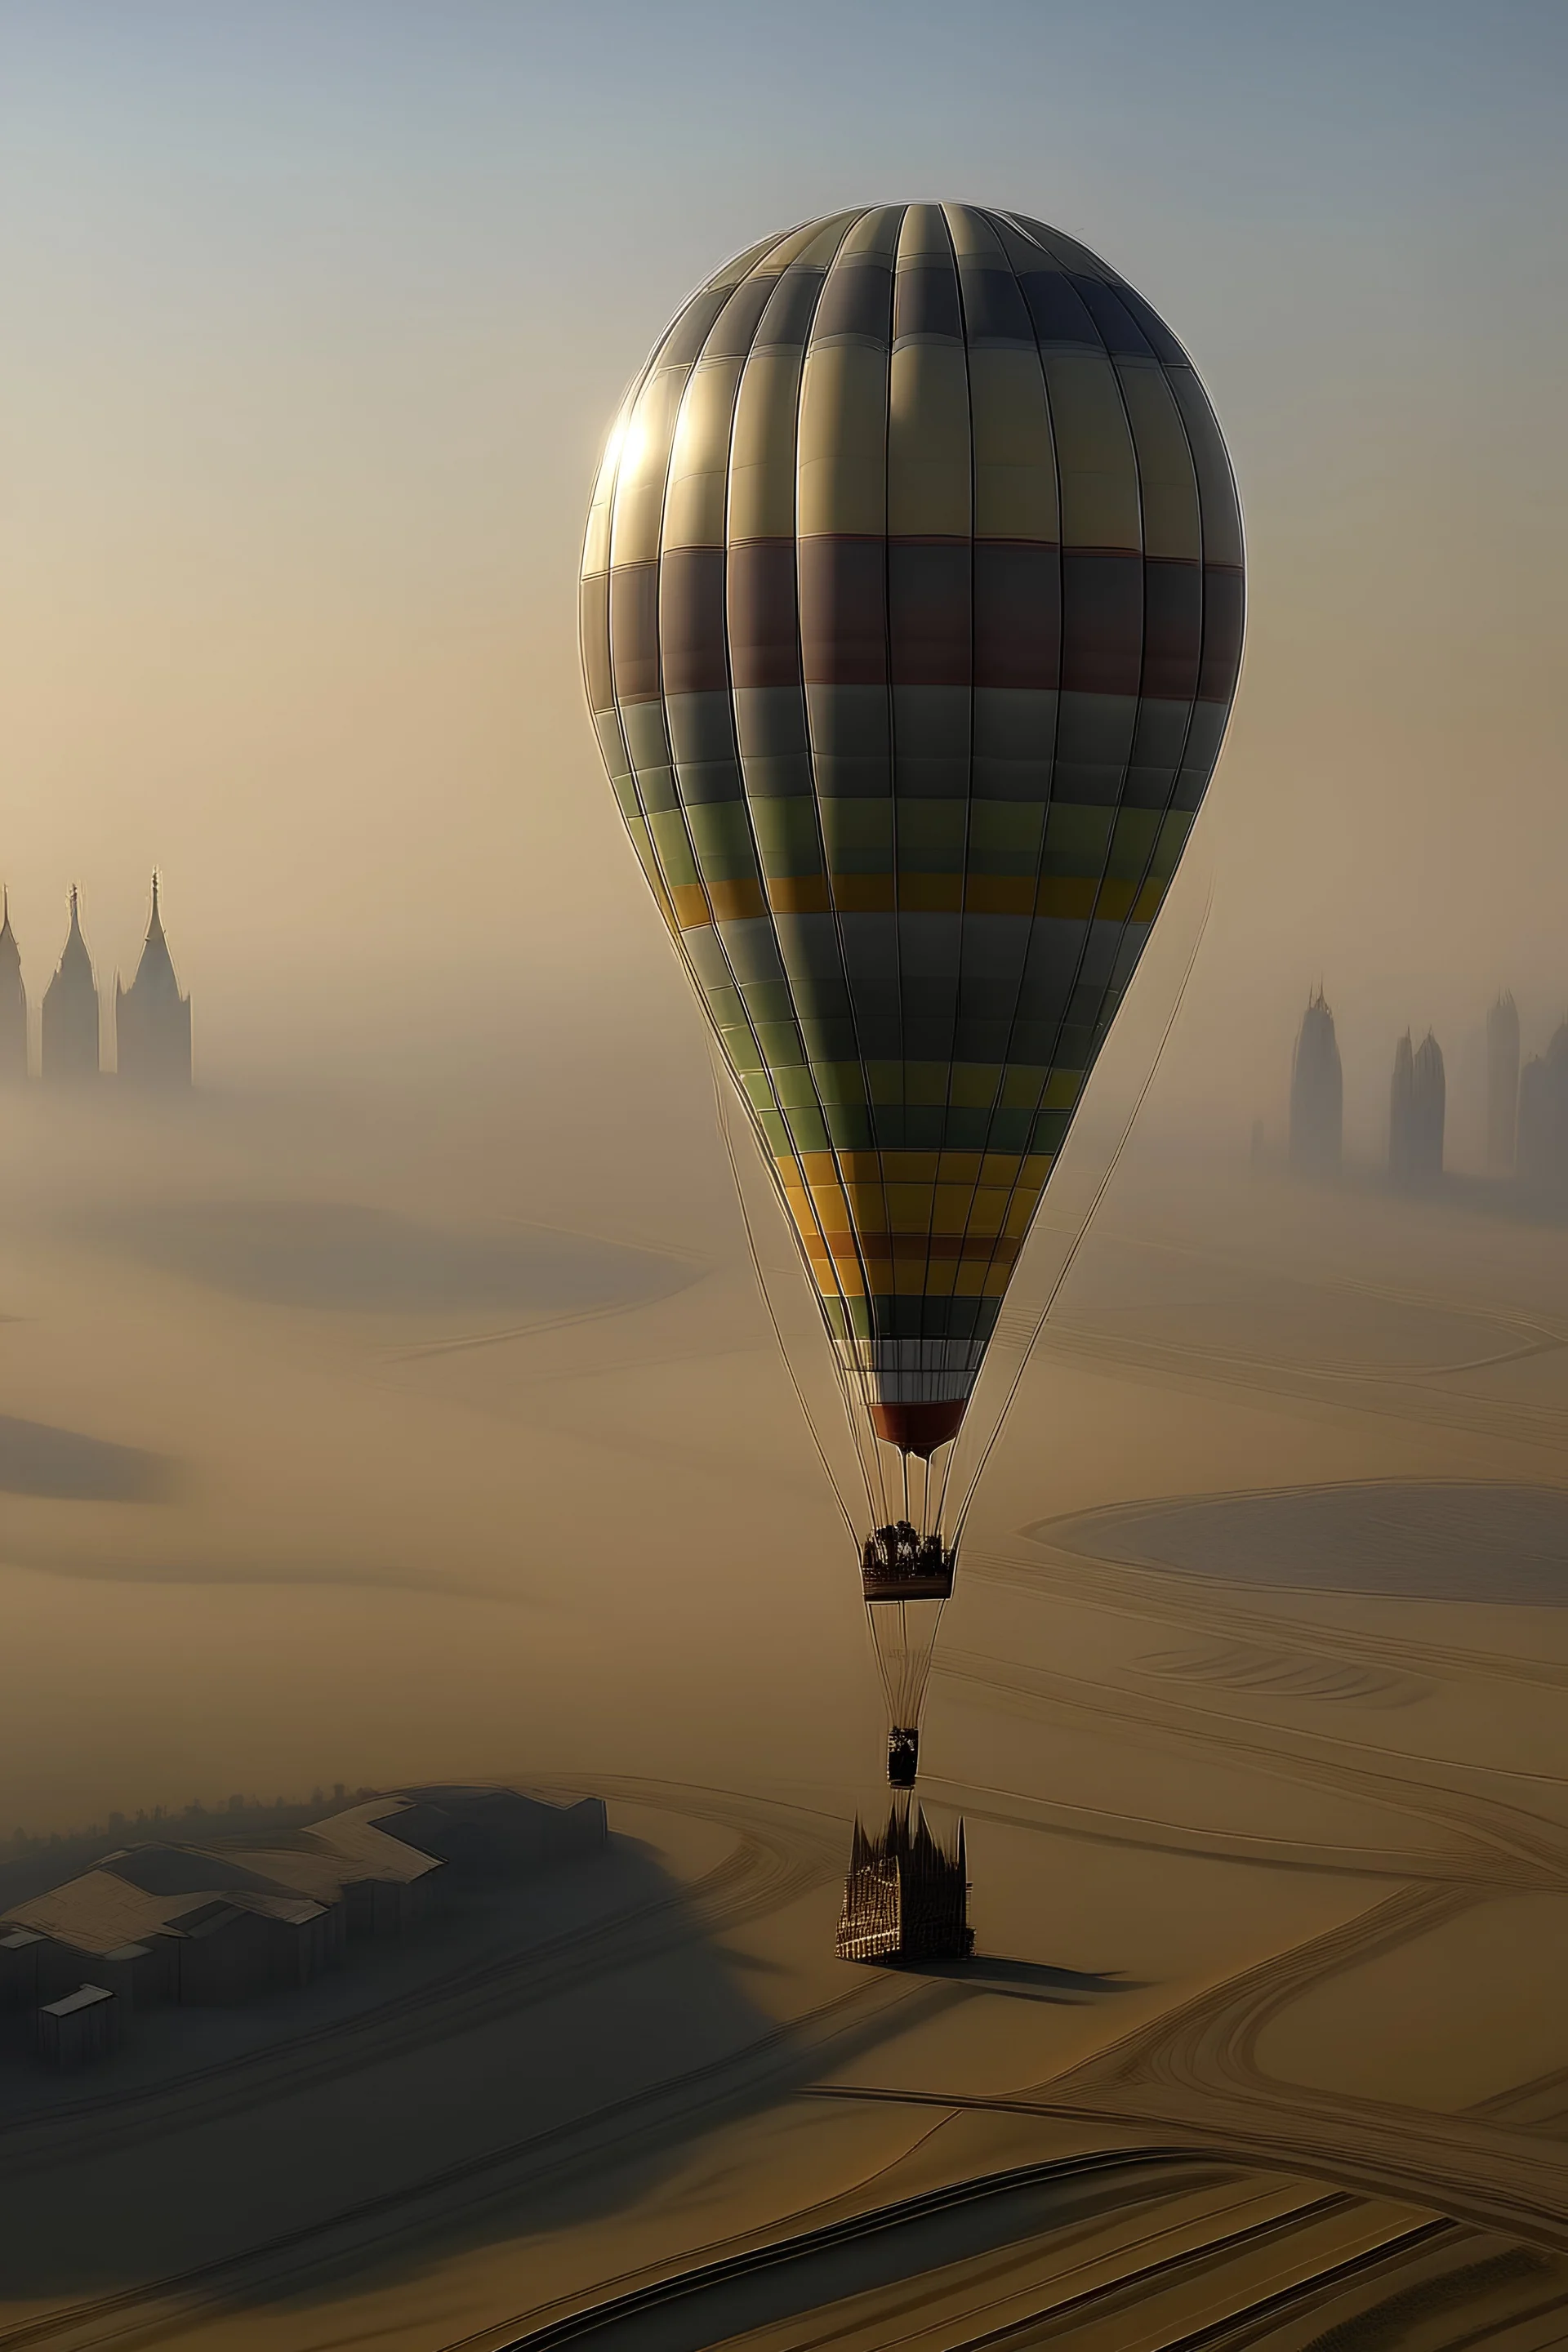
(911, 614)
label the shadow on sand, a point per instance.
(1399, 1539)
(61, 1465)
(346, 1257)
(1025, 1980)
(302, 2143)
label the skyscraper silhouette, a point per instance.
(151, 1019)
(13, 1004)
(1543, 1118)
(70, 1011)
(1416, 1112)
(1317, 1094)
(1502, 1084)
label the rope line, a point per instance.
(1082, 1234)
(721, 1112)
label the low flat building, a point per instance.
(246, 1880)
(137, 1974)
(165, 1868)
(239, 1948)
(495, 1833)
(79, 2028)
(194, 1945)
(82, 1922)
(19, 1968)
(382, 1879)
(372, 1884)
(182, 1923)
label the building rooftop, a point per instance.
(100, 1912)
(167, 1888)
(170, 1869)
(291, 1871)
(342, 1851)
(104, 1914)
(86, 1996)
(355, 1838)
(208, 1918)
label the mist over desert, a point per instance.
(470, 1876)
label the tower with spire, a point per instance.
(151, 1019)
(1418, 1101)
(1543, 1120)
(1317, 1094)
(70, 1011)
(907, 1894)
(1502, 1084)
(12, 1003)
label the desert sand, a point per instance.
(1251, 1696)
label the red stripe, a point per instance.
(764, 647)
(931, 611)
(691, 621)
(1173, 628)
(594, 629)
(1102, 622)
(844, 611)
(633, 631)
(1224, 619)
(1017, 613)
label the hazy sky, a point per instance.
(315, 312)
(314, 316)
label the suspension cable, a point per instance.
(720, 1110)
(1082, 1234)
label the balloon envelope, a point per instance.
(911, 615)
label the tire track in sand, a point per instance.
(1194, 2072)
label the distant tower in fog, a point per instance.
(1431, 1108)
(151, 1019)
(1415, 1109)
(1317, 1094)
(1502, 1084)
(1401, 1102)
(13, 1004)
(1543, 1118)
(70, 1011)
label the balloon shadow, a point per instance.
(1026, 1979)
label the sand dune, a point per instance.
(1256, 1728)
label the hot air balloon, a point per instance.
(911, 617)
